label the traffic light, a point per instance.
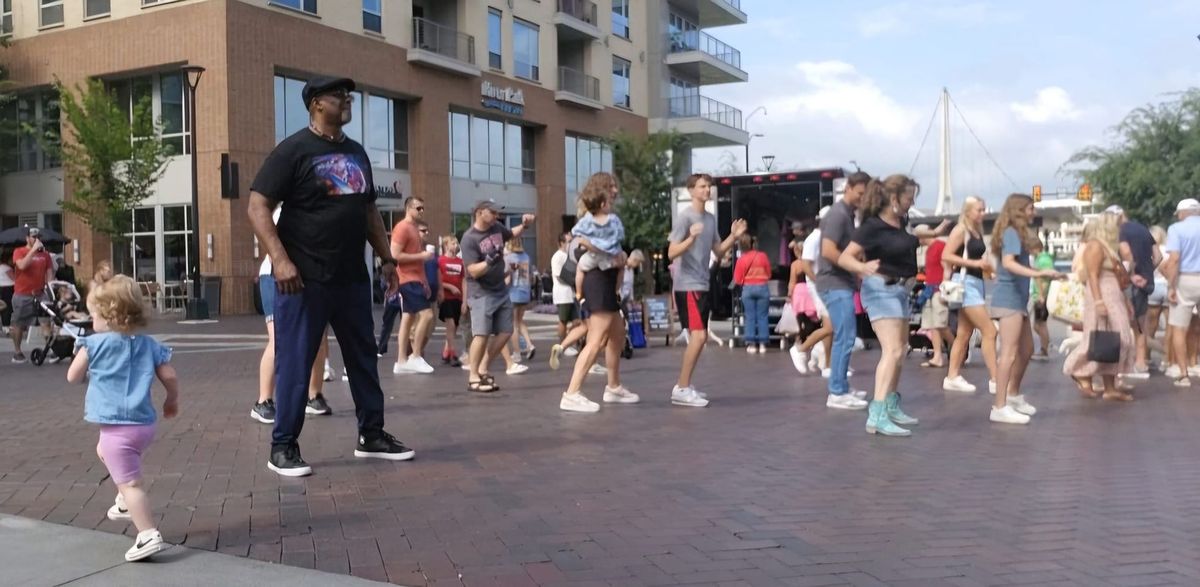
(1037, 193)
(1085, 193)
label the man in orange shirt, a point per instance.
(32, 269)
(409, 250)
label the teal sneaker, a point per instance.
(878, 421)
(895, 413)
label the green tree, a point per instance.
(111, 157)
(1153, 161)
(646, 171)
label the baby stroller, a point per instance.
(60, 345)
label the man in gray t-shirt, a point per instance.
(836, 287)
(837, 226)
(693, 239)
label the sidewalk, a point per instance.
(38, 553)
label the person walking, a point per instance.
(693, 240)
(1106, 309)
(1182, 271)
(1042, 261)
(935, 314)
(1141, 256)
(596, 231)
(487, 293)
(120, 366)
(32, 269)
(1158, 299)
(7, 276)
(836, 287)
(966, 256)
(450, 276)
(1013, 239)
(414, 291)
(325, 179)
(803, 357)
(884, 254)
(520, 291)
(752, 271)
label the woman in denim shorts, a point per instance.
(884, 254)
(966, 256)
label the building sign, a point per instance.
(506, 100)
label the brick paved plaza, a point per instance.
(765, 487)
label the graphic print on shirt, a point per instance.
(342, 173)
(492, 245)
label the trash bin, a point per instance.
(210, 292)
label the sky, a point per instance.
(1036, 81)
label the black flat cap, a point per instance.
(321, 85)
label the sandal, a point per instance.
(488, 379)
(1085, 391)
(932, 365)
(480, 386)
(1117, 396)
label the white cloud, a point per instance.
(1052, 104)
(837, 90)
(912, 17)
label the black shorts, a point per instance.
(450, 310)
(567, 313)
(694, 308)
(1140, 298)
(600, 290)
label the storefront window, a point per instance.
(490, 150)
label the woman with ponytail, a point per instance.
(884, 254)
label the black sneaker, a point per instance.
(383, 446)
(286, 461)
(264, 412)
(317, 406)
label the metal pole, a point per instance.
(748, 153)
(197, 307)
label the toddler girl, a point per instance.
(120, 367)
(600, 231)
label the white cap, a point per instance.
(1188, 205)
(822, 213)
(1114, 209)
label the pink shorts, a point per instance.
(121, 447)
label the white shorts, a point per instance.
(590, 261)
(816, 298)
(1188, 292)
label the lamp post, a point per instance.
(197, 307)
(748, 141)
(746, 127)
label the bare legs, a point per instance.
(970, 319)
(893, 340)
(1016, 348)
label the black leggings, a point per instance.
(6, 294)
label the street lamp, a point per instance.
(197, 307)
(748, 141)
(746, 127)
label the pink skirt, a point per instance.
(802, 302)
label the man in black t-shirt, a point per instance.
(1138, 249)
(316, 252)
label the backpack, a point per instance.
(567, 274)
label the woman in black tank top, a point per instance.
(968, 236)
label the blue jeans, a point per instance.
(840, 304)
(300, 321)
(391, 310)
(756, 303)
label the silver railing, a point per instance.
(584, 10)
(703, 107)
(443, 40)
(684, 41)
(578, 83)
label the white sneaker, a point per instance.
(992, 386)
(516, 369)
(1172, 371)
(570, 351)
(762, 349)
(957, 384)
(118, 512)
(419, 365)
(845, 402)
(1194, 371)
(147, 543)
(687, 396)
(859, 344)
(751, 349)
(620, 395)
(598, 369)
(1018, 403)
(799, 360)
(1139, 375)
(1008, 415)
(555, 351)
(826, 372)
(577, 402)
(817, 362)
(1182, 382)
(858, 393)
(398, 368)
(329, 373)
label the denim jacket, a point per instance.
(120, 375)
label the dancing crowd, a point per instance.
(314, 225)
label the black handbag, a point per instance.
(1104, 346)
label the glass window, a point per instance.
(572, 168)
(175, 218)
(460, 145)
(400, 134)
(27, 148)
(494, 40)
(379, 143)
(95, 8)
(175, 257)
(51, 129)
(496, 151)
(309, 6)
(479, 148)
(145, 258)
(295, 116)
(372, 15)
(512, 154)
(280, 110)
(53, 221)
(525, 50)
(620, 82)
(620, 18)
(527, 169)
(51, 13)
(591, 156)
(354, 130)
(143, 220)
(6, 21)
(170, 90)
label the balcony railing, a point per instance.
(443, 40)
(684, 41)
(584, 10)
(578, 83)
(734, 3)
(701, 107)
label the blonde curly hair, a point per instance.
(118, 302)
